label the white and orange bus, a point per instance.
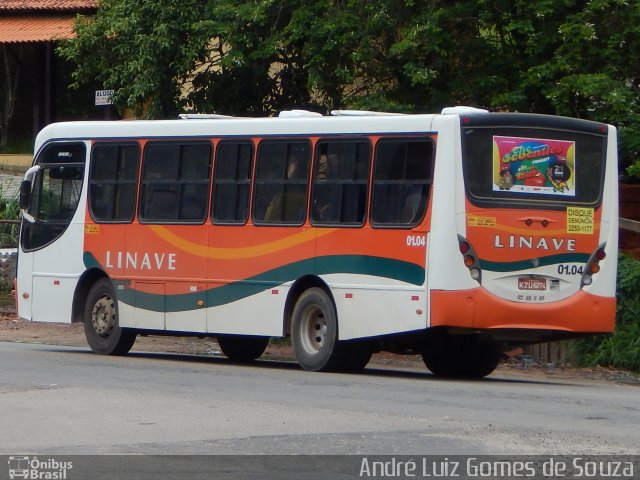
(453, 235)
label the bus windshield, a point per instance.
(55, 193)
(533, 164)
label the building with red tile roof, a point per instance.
(58, 5)
(40, 20)
(28, 28)
(28, 32)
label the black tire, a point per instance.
(242, 348)
(463, 357)
(314, 333)
(101, 327)
(357, 357)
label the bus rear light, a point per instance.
(470, 258)
(593, 265)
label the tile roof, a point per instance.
(22, 28)
(50, 5)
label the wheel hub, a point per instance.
(315, 331)
(103, 316)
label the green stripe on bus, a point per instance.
(533, 263)
(228, 293)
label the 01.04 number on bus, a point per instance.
(570, 270)
(416, 241)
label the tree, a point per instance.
(567, 57)
(594, 73)
(143, 50)
(10, 75)
(273, 55)
(252, 67)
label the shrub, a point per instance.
(9, 210)
(622, 348)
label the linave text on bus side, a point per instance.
(140, 261)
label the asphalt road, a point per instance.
(66, 400)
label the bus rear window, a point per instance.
(533, 166)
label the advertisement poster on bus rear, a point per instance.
(531, 165)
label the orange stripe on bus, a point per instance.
(236, 253)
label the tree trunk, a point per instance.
(10, 88)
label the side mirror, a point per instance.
(25, 194)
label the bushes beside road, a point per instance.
(622, 349)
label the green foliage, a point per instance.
(563, 57)
(622, 348)
(18, 146)
(593, 74)
(9, 210)
(143, 50)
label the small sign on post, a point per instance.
(104, 97)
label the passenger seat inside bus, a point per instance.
(162, 206)
(412, 209)
(286, 207)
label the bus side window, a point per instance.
(340, 182)
(282, 177)
(160, 204)
(402, 176)
(232, 182)
(175, 182)
(112, 182)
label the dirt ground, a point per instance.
(12, 329)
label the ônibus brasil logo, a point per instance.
(32, 468)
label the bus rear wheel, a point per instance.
(314, 332)
(462, 357)
(242, 348)
(101, 327)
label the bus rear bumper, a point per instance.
(477, 309)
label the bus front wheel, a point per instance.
(242, 348)
(101, 326)
(314, 332)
